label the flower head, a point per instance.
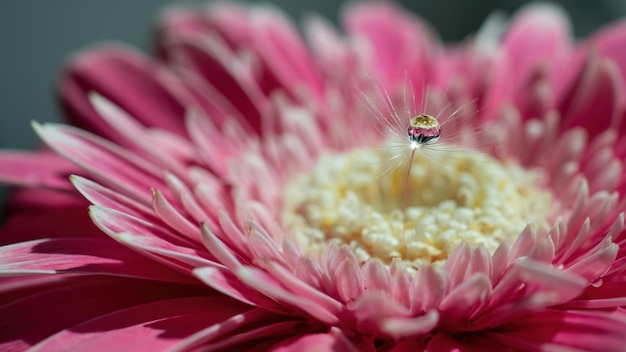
(241, 199)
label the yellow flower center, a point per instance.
(463, 197)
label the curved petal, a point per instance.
(333, 341)
(125, 77)
(35, 169)
(76, 300)
(80, 255)
(151, 326)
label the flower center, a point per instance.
(357, 199)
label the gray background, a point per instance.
(36, 37)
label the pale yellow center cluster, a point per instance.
(358, 199)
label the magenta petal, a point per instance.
(80, 255)
(262, 282)
(284, 53)
(399, 45)
(153, 326)
(414, 326)
(566, 331)
(228, 284)
(333, 341)
(113, 222)
(596, 99)
(59, 221)
(537, 33)
(75, 300)
(38, 169)
(609, 42)
(107, 198)
(431, 286)
(212, 63)
(108, 163)
(125, 77)
(466, 298)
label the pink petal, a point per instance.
(609, 42)
(607, 295)
(414, 326)
(399, 45)
(431, 286)
(113, 222)
(212, 63)
(155, 326)
(80, 255)
(107, 198)
(108, 163)
(376, 276)
(136, 135)
(35, 169)
(217, 331)
(265, 284)
(125, 77)
(560, 330)
(349, 280)
(537, 33)
(76, 300)
(300, 288)
(333, 341)
(62, 221)
(227, 283)
(281, 329)
(284, 53)
(466, 298)
(598, 92)
(33, 200)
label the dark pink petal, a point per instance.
(596, 100)
(376, 276)
(74, 301)
(282, 329)
(35, 169)
(125, 77)
(560, 330)
(333, 341)
(212, 63)
(267, 285)
(607, 295)
(398, 46)
(224, 327)
(80, 255)
(173, 218)
(286, 278)
(283, 52)
(609, 42)
(33, 200)
(113, 222)
(154, 326)
(465, 299)
(349, 280)
(60, 221)
(134, 134)
(414, 326)
(108, 163)
(107, 198)
(227, 283)
(469, 343)
(539, 34)
(431, 286)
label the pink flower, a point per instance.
(237, 199)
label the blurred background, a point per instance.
(36, 37)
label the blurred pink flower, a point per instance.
(189, 162)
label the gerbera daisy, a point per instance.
(238, 197)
